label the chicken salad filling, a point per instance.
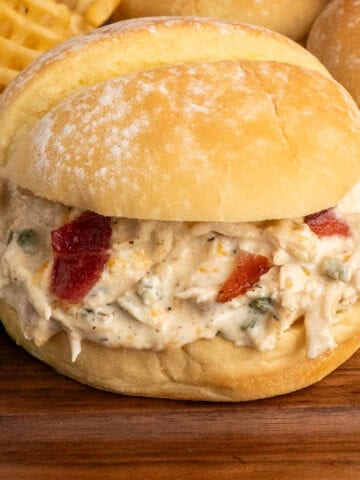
(158, 284)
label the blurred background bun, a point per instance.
(335, 40)
(292, 18)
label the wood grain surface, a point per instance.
(54, 428)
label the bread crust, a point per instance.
(292, 18)
(210, 370)
(335, 40)
(218, 140)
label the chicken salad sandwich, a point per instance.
(185, 229)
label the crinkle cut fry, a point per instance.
(30, 27)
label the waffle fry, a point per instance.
(30, 27)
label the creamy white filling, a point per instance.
(160, 285)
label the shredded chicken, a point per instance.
(159, 287)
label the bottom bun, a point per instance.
(212, 370)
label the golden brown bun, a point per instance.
(335, 40)
(292, 18)
(213, 370)
(210, 141)
(206, 142)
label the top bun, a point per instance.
(292, 18)
(233, 123)
(335, 40)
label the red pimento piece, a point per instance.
(248, 270)
(80, 255)
(73, 276)
(88, 233)
(327, 224)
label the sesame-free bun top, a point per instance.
(335, 40)
(232, 123)
(292, 18)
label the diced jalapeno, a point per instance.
(262, 304)
(28, 240)
(249, 325)
(150, 289)
(335, 269)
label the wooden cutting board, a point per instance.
(54, 428)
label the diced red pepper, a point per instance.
(88, 233)
(80, 255)
(73, 276)
(248, 270)
(327, 224)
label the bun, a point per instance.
(216, 139)
(212, 370)
(335, 40)
(292, 18)
(266, 126)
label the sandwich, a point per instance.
(181, 224)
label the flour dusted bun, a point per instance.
(292, 18)
(217, 139)
(335, 40)
(219, 133)
(212, 370)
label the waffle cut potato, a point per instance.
(30, 27)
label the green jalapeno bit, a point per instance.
(262, 304)
(29, 241)
(251, 324)
(335, 269)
